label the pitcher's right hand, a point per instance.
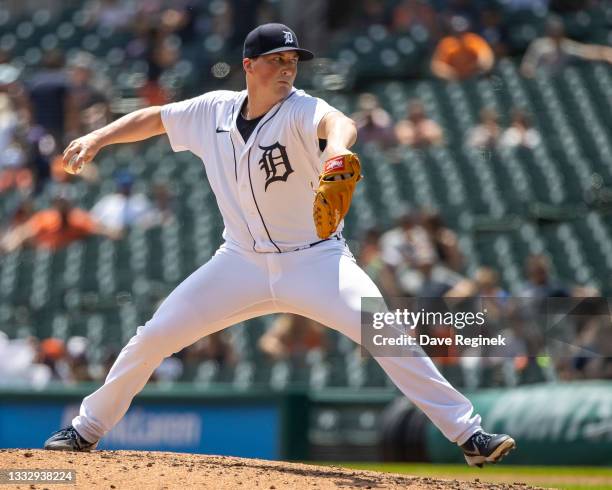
(80, 152)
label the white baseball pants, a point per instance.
(322, 282)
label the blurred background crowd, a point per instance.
(472, 90)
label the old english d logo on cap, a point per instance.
(273, 38)
(288, 37)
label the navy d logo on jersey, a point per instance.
(275, 163)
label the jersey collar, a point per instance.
(236, 111)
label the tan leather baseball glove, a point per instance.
(336, 186)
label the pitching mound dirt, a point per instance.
(157, 470)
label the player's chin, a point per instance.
(284, 87)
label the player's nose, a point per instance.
(288, 71)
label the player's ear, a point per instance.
(247, 64)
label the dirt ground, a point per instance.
(157, 470)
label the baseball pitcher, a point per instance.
(279, 164)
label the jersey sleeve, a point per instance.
(185, 122)
(311, 112)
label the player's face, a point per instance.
(275, 72)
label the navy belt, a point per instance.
(309, 245)
(333, 237)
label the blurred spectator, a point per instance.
(592, 356)
(539, 283)
(487, 133)
(374, 124)
(51, 103)
(461, 54)
(214, 347)
(492, 365)
(487, 283)
(412, 14)
(92, 105)
(409, 249)
(183, 21)
(160, 54)
(123, 209)
(551, 53)
(444, 240)
(484, 285)
(153, 43)
(14, 148)
(426, 278)
(54, 228)
(407, 239)
(74, 367)
(292, 336)
(51, 352)
(164, 206)
(207, 359)
(417, 130)
(18, 363)
(15, 104)
(521, 132)
(370, 259)
(494, 31)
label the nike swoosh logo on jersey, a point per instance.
(219, 130)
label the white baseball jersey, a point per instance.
(265, 186)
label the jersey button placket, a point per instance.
(247, 204)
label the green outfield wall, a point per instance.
(553, 424)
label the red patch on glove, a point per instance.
(334, 164)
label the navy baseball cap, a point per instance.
(273, 38)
